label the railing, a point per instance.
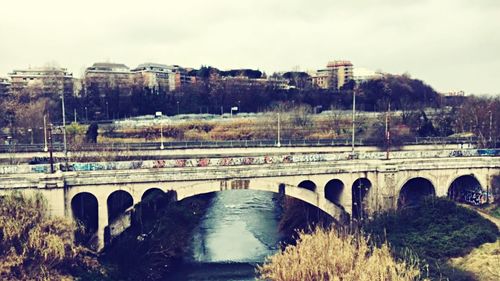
(58, 147)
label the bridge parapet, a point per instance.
(245, 160)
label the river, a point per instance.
(238, 231)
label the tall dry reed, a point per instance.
(330, 255)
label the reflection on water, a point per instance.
(239, 230)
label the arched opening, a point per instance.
(84, 207)
(467, 189)
(414, 191)
(360, 189)
(307, 184)
(151, 193)
(118, 202)
(333, 191)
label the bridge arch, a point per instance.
(308, 184)
(151, 192)
(84, 207)
(467, 189)
(414, 191)
(117, 202)
(334, 190)
(277, 185)
(360, 193)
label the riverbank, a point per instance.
(436, 231)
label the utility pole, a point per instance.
(491, 125)
(353, 120)
(387, 131)
(74, 113)
(278, 144)
(64, 128)
(51, 157)
(45, 148)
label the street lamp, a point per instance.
(31, 133)
(107, 110)
(178, 111)
(161, 136)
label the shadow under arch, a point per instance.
(117, 203)
(360, 190)
(151, 193)
(414, 191)
(467, 189)
(281, 188)
(84, 207)
(307, 184)
(333, 191)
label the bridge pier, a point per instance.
(102, 222)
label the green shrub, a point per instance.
(436, 230)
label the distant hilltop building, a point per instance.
(336, 74)
(104, 76)
(362, 75)
(4, 86)
(152, 76)
(50, 80)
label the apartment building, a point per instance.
(4, 86)
(104, 76)
(50, 80)
(153, 76)
(334, 76)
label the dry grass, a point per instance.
(264, 127)
(34, 246)
(328, 255)
(484, 262)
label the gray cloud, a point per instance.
(451, 44)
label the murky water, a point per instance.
(239, 230)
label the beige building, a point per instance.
(105, 77)
(336, 74)
(153, 76)
(50, 80)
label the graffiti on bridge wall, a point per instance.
(240, 161)
(475, 197)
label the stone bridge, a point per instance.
(102, 194)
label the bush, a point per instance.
(436, 230)
(329, 255)
(34, 246)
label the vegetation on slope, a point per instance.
(34, 246)
(436, 230)
(329, 255)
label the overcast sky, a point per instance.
(450, 44)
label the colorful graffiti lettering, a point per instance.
(39, 169)
(474, 197)
(159, 164)
(203, 162)
(137, 164)
(287, 159)
(225, 162)
(248, 160)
